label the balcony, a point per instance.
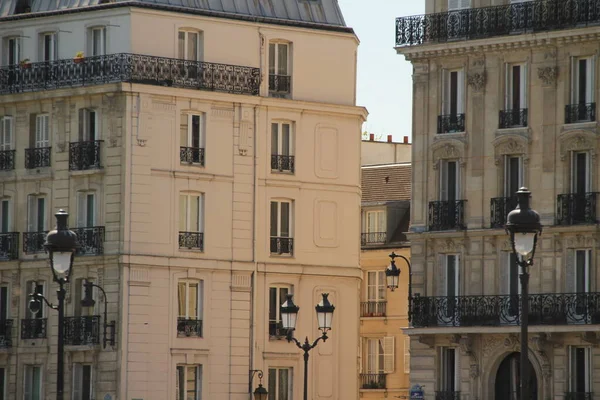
(82, 331)
(189, 327)
(575, 113)
(131, 68)
(280, 85)
(486, 22)
(90, 240)
(502, 310)
(34, 328)
(373, 308)
(84, 155)
(446, 215)
(513, 118)
(9, 246)
(7, 160)
(451, 123)
(500, 207)
(6, 333)
(191, 155)
(447, 395)
(576, 208)
(276, 329)
(191, 240)
(371, 238)
(372, 381)
(37, 157)
(579, 396)
(282, 245)
(33, 242)
(282, 163)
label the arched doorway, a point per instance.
(507, 379)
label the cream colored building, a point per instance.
(208, 154)
(504, 96)
(378, 152)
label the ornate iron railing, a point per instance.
(34, 328)
(373, 308)
(576, 208)
(367, 238)
(191, 240)
(282, 245)
(82, 331)
(280, 84)
(33, 242)
(513, 118)
(276, 329)
(133, 68)
(84, 155)
(6, 333)
(500, 207)
(544, 309)
(446, 215)
(485, 22)
(579, 396)
(282, 163)
(7, 160)
(447, 395)
(372, 381)
(91, 240)
(580, 113)
(189, 327)
(451, 123)
(191, 155)
(9, 246)
(38, 157)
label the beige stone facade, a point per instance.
(500, 104)
(211, 166)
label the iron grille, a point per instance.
(82, 331)
(451, 123)
(37, 157)
(282, 163)
(280, 84)
(580, 113)
(447, 395)
(576, 208)
(368, 238)
(373, 308)
(500, 207)
(579, 396)
(282, 245)
(446, 215)
(372, 381)
(189, 327)
(34, 328)
(7, 160)
(6, 333)
(9, 246)
(191, 240)
(84, 155)
(33, 242)
(191, 155)
(513, 118)
(90, 240)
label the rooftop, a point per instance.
(382, 183)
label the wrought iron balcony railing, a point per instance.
(485, 22)
(580, 113)
(576, 208)
(91, 240)
(84, 155)
(191, 240)
(446, 215)
(447, 395)
(451, 123)
(372, 381)
(33, 242)
(373, 308)
(579, 396)
(82, 331)
(500, 207)
(7, 160)
(544, 309)
(191, 155)
(37, 157)
(282, 163)
(513, 118)
(132, 68)
(367, 238)
(6, 333)
(9, 246)
(189, 327)
(276, 329)
(282, 245)
(280, 84)
(34, 328)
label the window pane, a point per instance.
(283, 384)
(285, 219)
(41, 214)
(37, 381)
(272, 384)
(274, 139)
(183, 213)
(4, 216)
(181, 299)
(181, 45)
(193, 300)
(381, 286)
(282, 59)
(90, 209)
(371, 285)
(285, 139)
(194, 222)
(273, 306)
(3, 302)
(86, 381)
(196, 130)
(271, 67)
(274, 206)
(192, 46)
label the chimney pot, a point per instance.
(389, 138)
(371, 137)
(405, 139)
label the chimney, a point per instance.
(371, 137)
(389, 138)
(405, 139)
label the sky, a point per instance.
(384, 78)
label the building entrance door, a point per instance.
(507, 385)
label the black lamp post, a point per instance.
(88, 301)
(289, 316)
(260, 393)
(523, 225)
(392, 276)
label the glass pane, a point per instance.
(285, 139)
(274, 206)
(282, 59)
(91, 134)
(41, 214)
(274, 139)
(181, 299)
(283, 384)
(193, 300)
(36, 384)
(180, 383)
(86, 380)
(273, 306)
(183, 213)
(453, 92)
(195, 214)
(285, 219)
(271, 72)
(380, 356)
(47, 48)
(90, 210)
(580, 272)
(381, 285)
(451, 275)
(195, 131)
(272, 384)
(516, 87)
(5, 216)
(192, 46)
(582, 81)
(181, 46)
(381, 222)
(371, 285)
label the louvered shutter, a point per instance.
(388, 354)
(201, 213)
(77, 380)
(407, 354)
(183, 129)
(570, 271)
(42, 134)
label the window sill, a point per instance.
(276, 338)
(450, 135)
(283, 255)
(187, 164)
(82, 347)
(191, 250)
(284, 172)
(180, 336)
(84, 172)
(580, 125)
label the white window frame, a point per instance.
(7, 129)
(444, 180)
(42, 131)
(588, 368)
(191, 133)
(35, 219)
(375, 357)
(587, 260)
(454, 5)
(27, 385)
(78, 381)
(93, 31)
(83, 211)
(590, 79)
(278, 302)
(281, 150)
(12, 50)
(575, 172)
(198, 382)
(444, 384)
(507, 174)
(199, 299)
(456, 274)
(379, 286)
(380, 218)
(447, 92)
(53, 50)
(188, 224)
(508, 90)
(275, 391)
(86, 116)
(274, 65)
(186, 39)
(279, 217)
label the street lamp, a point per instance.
(392, 276)
(289, 317)
(260, 393)
(88, 301)
(523, 225)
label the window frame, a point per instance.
(380, 218)
(587, 265)
(507, 174)
(187, 222)
(273, 62)
(78, 367)
(457, 260)
(590, 79)
(7, 302)
(9, 217)
(444, 182)
(509, 95)
(41, 137)
(447, 95)
(279, 134)
(7, 120)
(197, 383)
(588, 366)
(275, 389)
(199, 45)
(191, 133)
(278, 302)
(199, 299)
(87, 116)
(447, 383)
(92, 41)
(12, 48)
(83, 214)
(44, 220)
(53, 41)
(279, 218)
(41, 381)
(574, 173)
(380, 285)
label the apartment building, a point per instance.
(209, 165)
(504, 96)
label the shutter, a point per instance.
(407, 354)
(183, 213)
(388, 354)
(507, 86)
(574, 77)
(588, 272)
(460, 92)
(6, 133)
(77, 380)
(274, 139)
(31, 213)
(81, 209)
(272, 58)
(458, 275)
(570, 271)
(200, 299)
(523, 86)
(2, 131)
(443, 180)
(457, 370)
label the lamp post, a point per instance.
(392, 276)
(260, 393)
(523, 225)
(88, 301)
(289, 316)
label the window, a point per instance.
(5, 220)
(6, 133)
(453, 92)
(280, 383)
(88, 125)
(3, 383)
(191, 213)
(12, 56)
(279, 68)
(41, 133)
(189, 308)
(48, 46)
(282, 158)
(376, 286)
(376, 227)
(36, 213)
(33, 287)
(82, 382)
(580, 370)
(281, 219)
(458, 4)
(192, 139)
(97, 41)
(277, 296)
(407, 354)
(86, 209)
(580, 172)
(449, 180)
(4, 303)
(380, 355)
(188, 382)
(449, 377)
(516, 87)
(513, 175)
(582, 91)
(32, 386)
(79, 294)
(450, 288)
(189, 46)
(581, 282)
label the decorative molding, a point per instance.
(490, 344)
(490, 245)
(510, 145)
(477, 81)
(550, 54)
(511, 341)
(579, 140)
(590, 337)
(580, 240)
(448, 150)
(465, 343)
(450, 246)
(240, 283)
(539, 344)
(478, 62)
(139, 277)
(226, 113)
(429, 341)
(113, 141)
(548, 75)
(558, 244)
(141, 142)
(61, 147)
